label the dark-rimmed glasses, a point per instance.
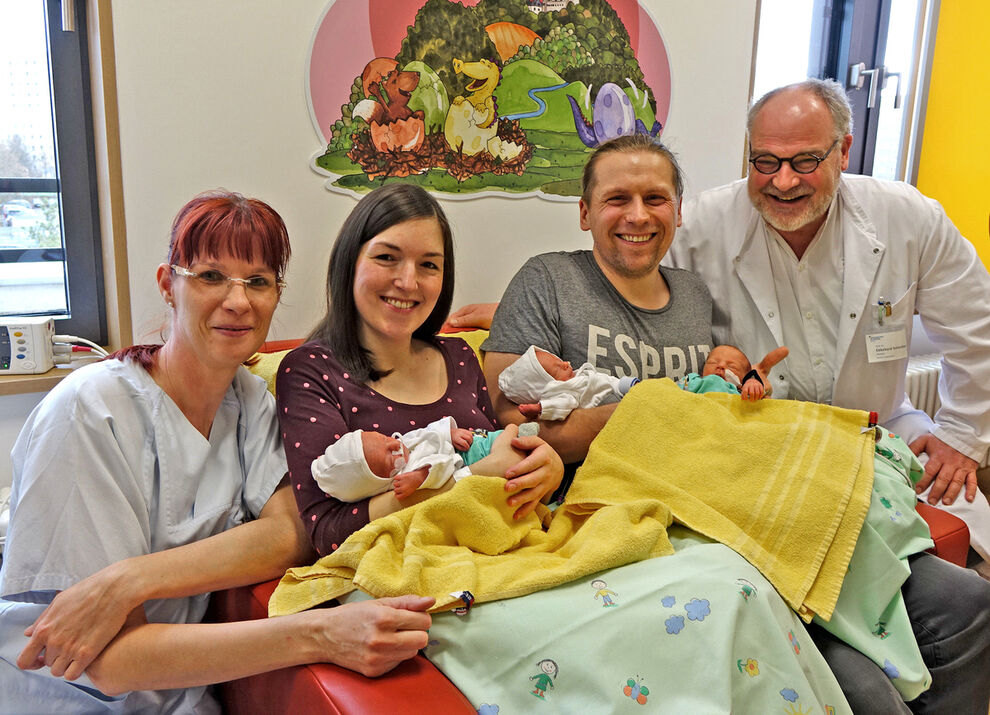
(801, 163)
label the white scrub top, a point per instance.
(107, 467)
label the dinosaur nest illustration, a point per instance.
(435, 154)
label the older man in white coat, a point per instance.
(835, 266)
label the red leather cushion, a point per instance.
(949, 532)
(415, 686)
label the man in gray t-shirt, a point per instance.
(612, 306)
(563, 303)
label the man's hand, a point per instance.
(78, 624)
(475, 315)
(949, 468)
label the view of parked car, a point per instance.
(18, 213)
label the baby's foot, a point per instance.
(531, 411)
(406, 483)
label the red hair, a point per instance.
(217, 223)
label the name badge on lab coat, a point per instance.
(887, 343)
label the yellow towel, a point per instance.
(785, 484)
(466, 539)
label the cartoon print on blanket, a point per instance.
(596, 652)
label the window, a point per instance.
(49, 225)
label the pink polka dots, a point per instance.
(449, 400)
(333, 546)
(340, 388)
(326, 377)
(458, 382)
(464, 347)
(354, 511)
(461, 363)
(313, 517)
(297, 444)
(354, 409)
(336, 436)
(346, 376)
(323, 356)
(298, 486)
(375, 425)
(322, 401)
(285, 410)
(306, 385)
(389, 408)
(484, 388)
(312, 356)
(288, 369)
(474, 396)
(412, 422)
(312, 419)
(474, 412)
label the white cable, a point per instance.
(76, 339)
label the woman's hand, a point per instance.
(372, 637)
(79, 623)
(475, 315)
(534, 478)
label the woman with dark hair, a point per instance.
(148, 480)
(374, 362)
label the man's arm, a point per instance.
(570, 437)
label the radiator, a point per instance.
(921, 385)
(921, 382)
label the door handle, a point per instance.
(857, 77)
(897, 94)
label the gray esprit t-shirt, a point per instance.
(563, 303)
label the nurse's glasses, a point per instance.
(215, 280)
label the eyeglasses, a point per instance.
(801, 163)
(215, 280)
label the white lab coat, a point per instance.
(898, 245)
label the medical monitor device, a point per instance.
(26, 345)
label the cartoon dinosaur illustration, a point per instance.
(394, 127)
(472, 122)
(612, 116)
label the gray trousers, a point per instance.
(949, 608)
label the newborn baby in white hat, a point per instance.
(548, 388)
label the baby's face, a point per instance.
(381, 453)
(557, 369)
(726, 357)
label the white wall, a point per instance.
(212, 94)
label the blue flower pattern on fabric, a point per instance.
(890, 669)
(486, 709)
(698, 609)
(789, 694)
(668, 601)
(675, 624)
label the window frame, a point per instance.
(75, 159)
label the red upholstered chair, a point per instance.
(949, 532)
(415, 686)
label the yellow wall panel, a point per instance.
(955, 150)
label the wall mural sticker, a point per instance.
(480, 97)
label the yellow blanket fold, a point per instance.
(785, 484)
(466, 539)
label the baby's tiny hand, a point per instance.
(753, 390)
(461, 438)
